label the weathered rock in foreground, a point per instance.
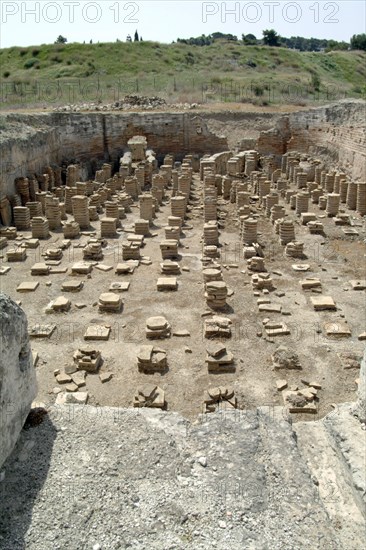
(237, 479)
(18, 385)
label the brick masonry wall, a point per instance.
(336, 134)
(40, 140)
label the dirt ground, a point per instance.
(335, 258)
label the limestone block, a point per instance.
(18, 387)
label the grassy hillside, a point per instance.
(223, 71)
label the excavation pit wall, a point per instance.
(36, 141)
(31, 142)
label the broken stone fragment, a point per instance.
(215, 350)
(77, 398)
(27, 286)
(71, 387)
(284, 358)
(281, 384)
(63, 378)
(79, 378)
(70, 369)
(277, 329)
(72, 286)
(182, 333)
(105, 377)
(301, 267)
(159, 357)
(307, 393)
(270, 308)
(144, 355)
(61, 304)
(358, 285)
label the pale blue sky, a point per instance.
(25, 23)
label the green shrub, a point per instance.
(31, 63)
(258, 90)
(315, 81)
(251, 63)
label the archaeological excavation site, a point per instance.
(183, 329)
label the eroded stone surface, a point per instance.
(18, 387)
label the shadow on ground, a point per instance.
(22, 479)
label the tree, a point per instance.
(358, 42)
(198, 41)
(249, 39)
(136, 38)
(220, 35)
(128, 38)
(61, 40)
(334, 45)
(271, 38)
